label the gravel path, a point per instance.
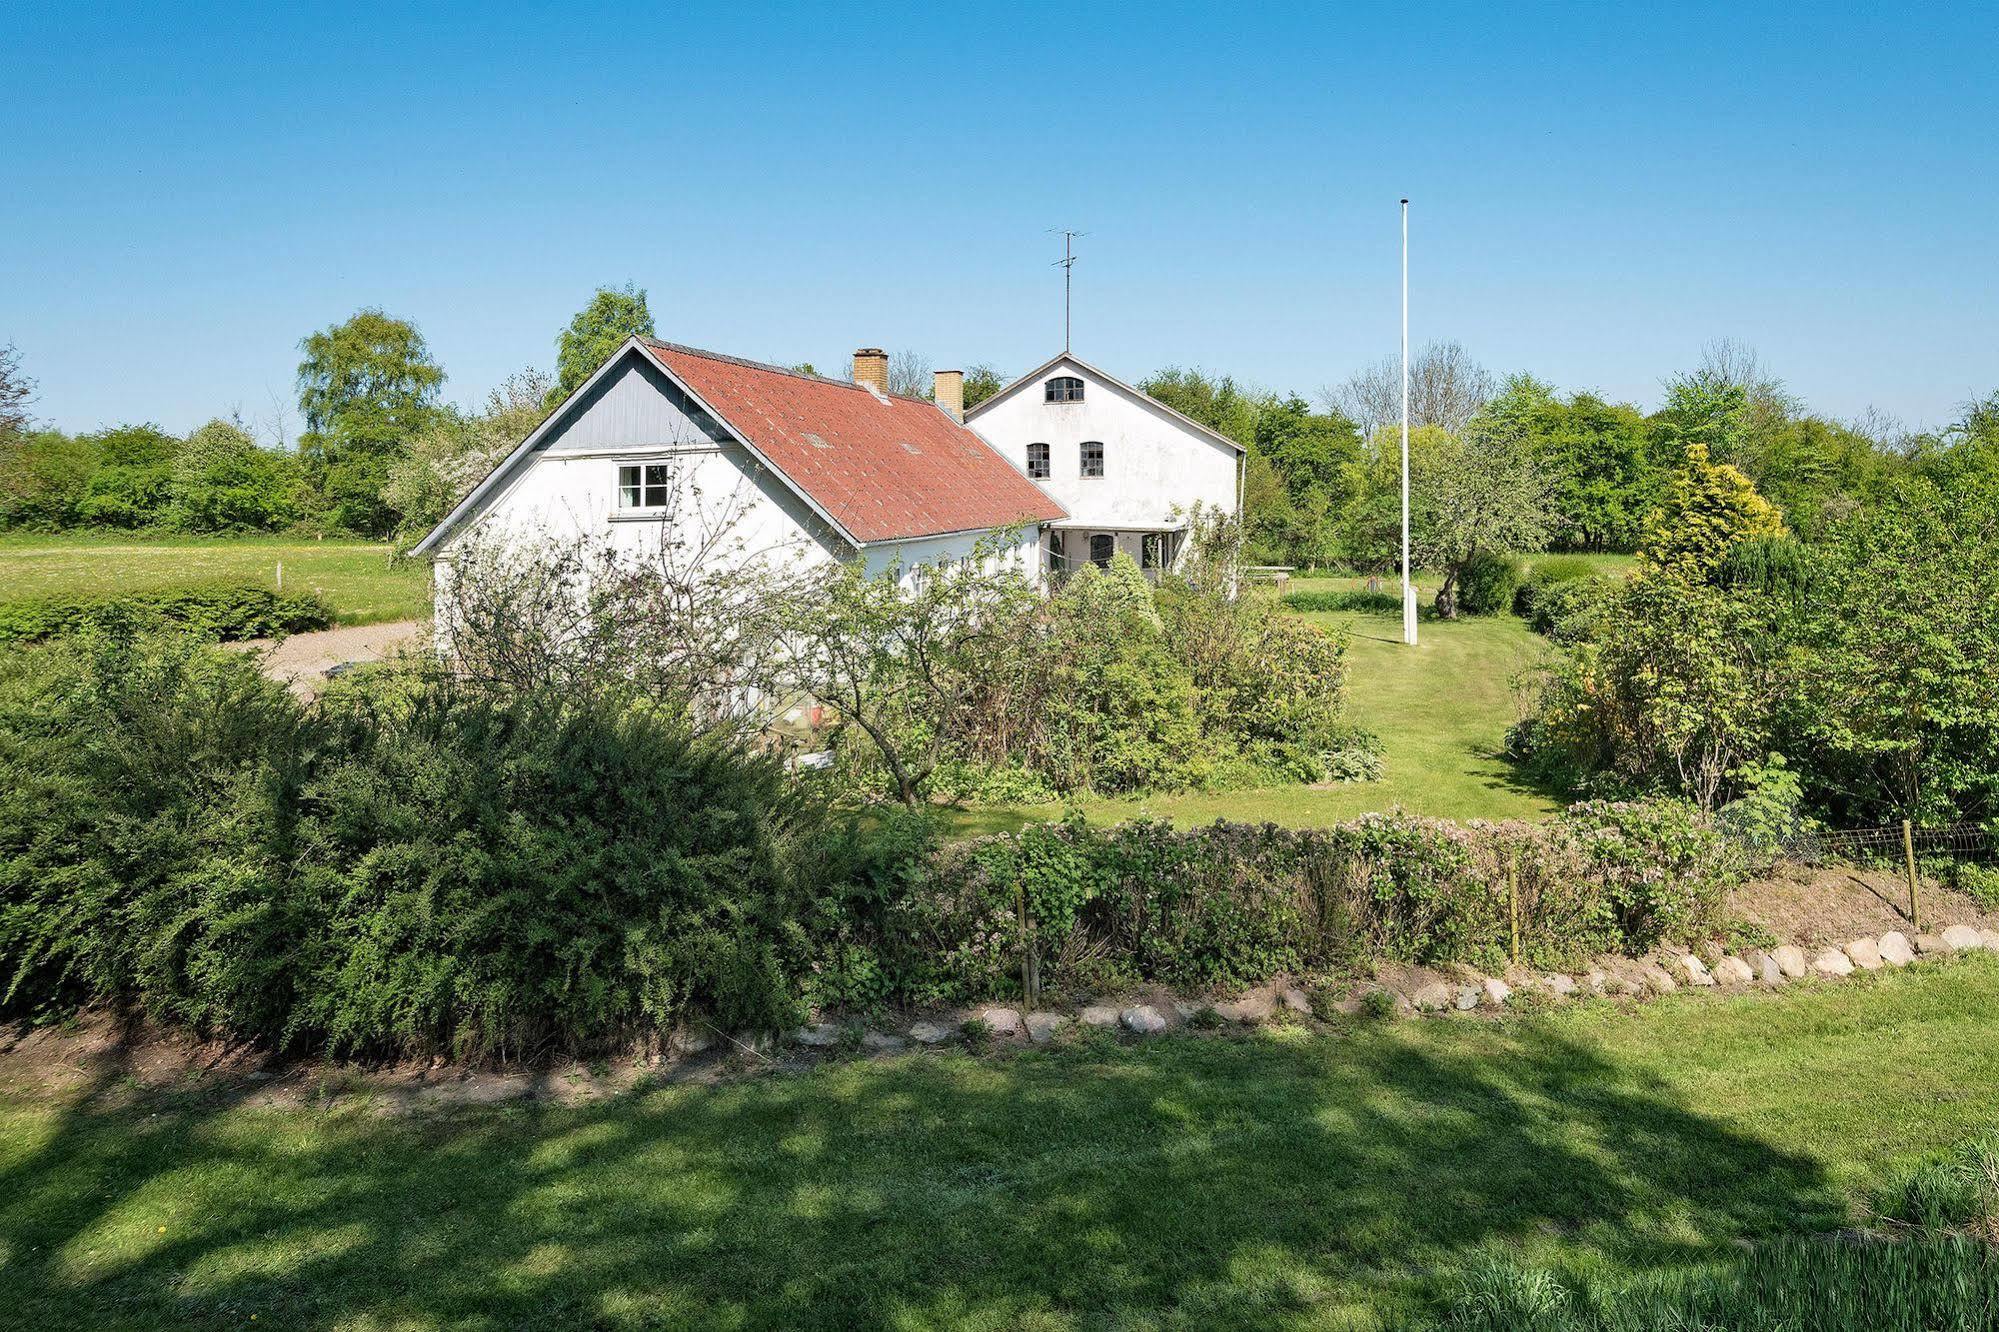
(303, 660)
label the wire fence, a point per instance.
(1938, 852)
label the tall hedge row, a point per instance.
(223, 611)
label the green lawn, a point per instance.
(355, 577)
(1441, 709)
(1281, 1180)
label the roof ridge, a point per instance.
(749, 364)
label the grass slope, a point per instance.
(355, 577)
(1280, 1181)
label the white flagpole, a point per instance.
(1408, 588)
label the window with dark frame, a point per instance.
(642, 486)
(1152, 551)
(1037, 461)
(1102, 547)
(1058, 553)
(1065, 388)
(1093, 457)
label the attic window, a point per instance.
(816, 441)
(1065, 388)
(908, 447)
(1037, 461)
(642, 486)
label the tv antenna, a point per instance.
(1067, 263)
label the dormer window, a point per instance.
(1093, 457)
(1065, 388)
(1037, 461)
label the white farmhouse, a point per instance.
(1128, 470)
(765, 462)
(731, 459)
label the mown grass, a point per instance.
(355, 577)
(1284, 1180)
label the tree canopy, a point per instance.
(597, 330)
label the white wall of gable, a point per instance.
(1153, 462)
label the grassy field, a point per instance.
(1441, 710)
(355, 577)
(1281, 1180)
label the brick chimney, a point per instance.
(950, 393)
(871, 367)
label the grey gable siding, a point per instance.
(634, 407)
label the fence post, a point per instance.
(1513, 904)
(1030, 978)
(1909, 857)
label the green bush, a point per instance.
(1981, 884)
(1774, 566)
(222, 611)
(1486, 584)
(431, 870)
(1569, 611)
(1355, 599)
(1233, 904)
(1546, 573)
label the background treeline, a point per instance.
(381, 454)
(1323, 482)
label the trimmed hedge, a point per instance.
(1234, 904)
(223, 611)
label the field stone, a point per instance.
(878, 1042)
(1249, 1008)
(1962, 937)
(1832, 962)
(1597, 981)
(1431, 997)
(1041, 1027)
(1766, 967)
(1895, 950)
(690, 1041)
(1467, 998)
(1001, 1021)
(1927, 944)
(1697, 972)
(1990, 939)
(1866, 954)
(929, 1033)
(1143, 1019)
(1296, 1000)
(1734, 971)
(819, 1035)
(1559, 985)
(1790, 959)
(1657, 978)
(1098, 1015)
(1495, 991)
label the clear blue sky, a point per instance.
(1599, 190)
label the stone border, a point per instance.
(1655, 974)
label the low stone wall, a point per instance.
(1410, 991)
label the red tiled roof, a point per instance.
(885, 470)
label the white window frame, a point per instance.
(633, 495)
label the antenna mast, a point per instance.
(1067, 264)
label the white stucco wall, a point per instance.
(1153, 462)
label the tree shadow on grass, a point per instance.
(1189, 1182)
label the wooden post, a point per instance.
(1909, 856)
(1030, 979)
(281, 575)
(1513, 904)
